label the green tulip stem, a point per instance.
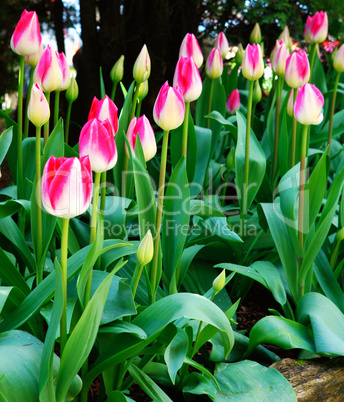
(136, 278)
(210, 99)
(161, 191)
(39, 207)
(312, 52)
(280, 81)
(46, 125)
(64, 255)
(134, 104)
(185, 130)
(26, 119)
(333, 104)
(56, 107)
(20, 178)
(293, 134)
(113, 92)
(138, 109)
(69, 111)
(302, 183)
(103, 193)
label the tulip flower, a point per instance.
(187, 78)
(214, 64)
(26, 38)
(290, 104)
(48, 73)
(239, 56)
(190, 48)
(233, 102)
(104, 109)
(285, 37)
(219, 282)
(67, 186)
(38, 109)
(297, 70)
(33, 59)
(338, 61)
(308, 105)
(253, 64)
(316, 28)
(72, 94)
(278, 62)
(142, 66)
(116, 75)
(169, 108)
(97, 141)
(65, 71)
(256, 35)
(142, 127)
(221, 43)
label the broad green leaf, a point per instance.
(175, 353)
(12, 154)
(120, 327)
(5, 142)
(55, 143)
(118, 396)
(197, 384)
(218, 227)
(201, 368)
(10, 274)
(29, 170)
(115, 216)
(10, 297)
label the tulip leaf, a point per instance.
(10, 275)
(10, 207)
(175, 353)
(197, 384)
(10, 297)
(12, 154)
(5, 142)
(29, 149)
(55, 143)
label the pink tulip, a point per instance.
(169, 108)
(253, 64)
(221, 43)
(233, 102)
(62, 62)
(47, 72)
(190, 48)
(143, 128)
(33, 59)
(279, 59)
(290, 104)
(214, 65)
(285, 36)
(67, 186)
(316, 28)
(104, 109)
(142, 66)
(308, 105)
(187, 78)
(338, 61)
(97, 141)
(297, 70)
(26, 38)
(38, 109)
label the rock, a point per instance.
(319, 379)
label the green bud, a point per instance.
(230, 160)
(72, 91)
(219, 282)
(239, 57)
(145, 250)
(257, 92)
(143, 90)
(117, 70)
(142, 66)
(340, 235)
(256, 35)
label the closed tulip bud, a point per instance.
(33, 59)
(48, 73)
(143, 91)
(72, 91)
(233, 102)
(104, 109)
(145, 250)
(340, 235)
(62, 62)
(230, 160)
(67, 186)
(97, 141)
(190, 48)
(316, 28)
(26, 38)
(219, 282)
(221, 43)
(290, 104)
(308, 105)
(142, 66)
(239, 56)
(214, 65)
(256, 35)
(285, 36)
(38, 110)
(297, 70)
(279, 60)
(169, 108)
(257, 93)
(141, 127)
(253, 64)
(187, 78)
(117, 71)
(338, 61)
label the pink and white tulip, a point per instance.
(26, 38)
(142, 66)
(297, 70)
(63, 63)
(253, 64)
(316, 28)
(141, 127)
(214, 64)
(97, 141)
(190, 48)
(104, 109)
(48, 72)
(67, 186)
(290, 104)
(38, 111)
(221, 43)
(187, 78)
(169, 108)
(233, 102)
(338, 61)
(33, 59)
(279, 59)
(308, 105)
(285, 36)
